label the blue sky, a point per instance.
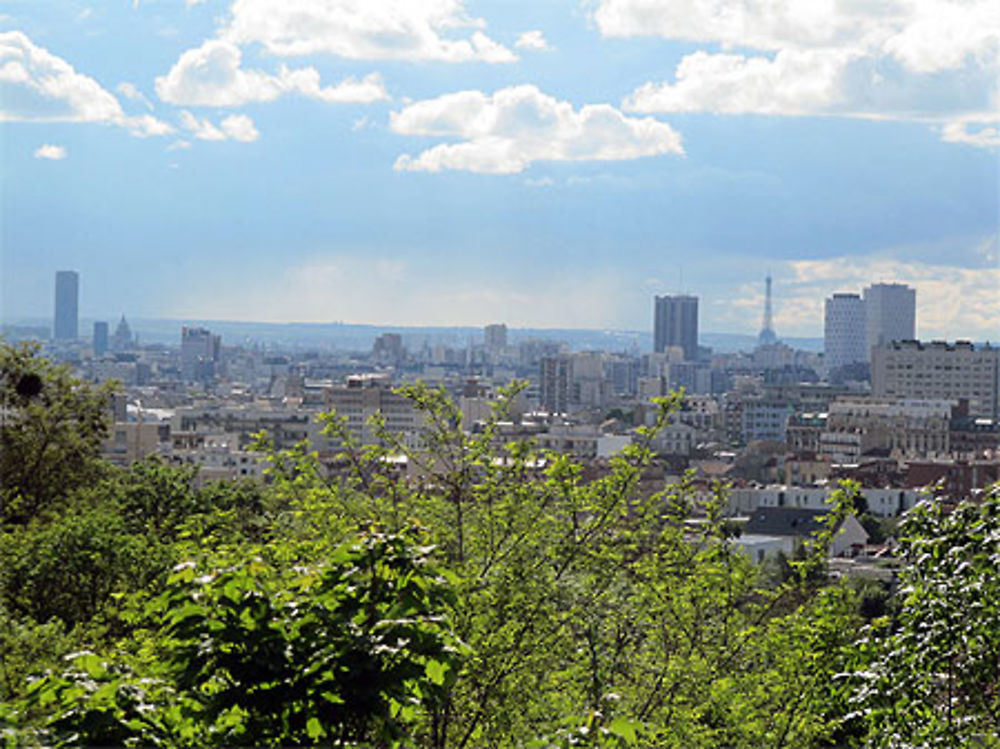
(543, 164)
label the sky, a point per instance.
(544, 164)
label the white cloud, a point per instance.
(37, 86)
(505, 132)
(793, 82)
(129, 91)
(533, 40)
(239, 127)
(983, 136)
(943, 35)
(51, 152)
(235, 127)
(920, 60)
(365, 30)
(539, 182)
(210, 75)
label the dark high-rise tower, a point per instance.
(767, 335)
(65, 323)
(675, 323)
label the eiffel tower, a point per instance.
(767, 335)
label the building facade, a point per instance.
(200, 354)
(890, 314)
(844, 332)
(675, 323)
(100, 342)
(556, 383)
(958, 371)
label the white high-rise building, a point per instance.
(890, 314)
(844, 337)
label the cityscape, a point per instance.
(471, 373)
(877, 405)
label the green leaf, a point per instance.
(314, 729)
(436, 671)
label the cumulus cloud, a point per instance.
(51, 152)
(38, 86)
(533, 40)
(505, 132)
(936, 61)
(211, 75)
(237, 127)
(365, 30)
(792, 82)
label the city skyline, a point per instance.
(893, 318)
(552, 167)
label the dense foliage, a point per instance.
(485, 594)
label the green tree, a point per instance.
(51, 429)
(69, 568)
(344, 652)
(930, 676)
(591, 599)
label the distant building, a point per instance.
(675, 323)
(890, 314)
(495, 336)
(556, 383)
(66, 321)
(200, 354)
(764, 421)
(122, 340)
(844, 332)
(100, 342)
(366, 395)
(388, 348)
(905, 427)
(958, 371)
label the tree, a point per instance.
(51, 429)
(591, 599)
(930, 676)
(345, 652)
(69, 568)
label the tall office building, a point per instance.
(66, 322)
(555, 385)
(675, 323)
(495, 336)
(890, 314)
(844, 337)
(200, 354)
(100, 338)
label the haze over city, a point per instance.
(549, 165)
